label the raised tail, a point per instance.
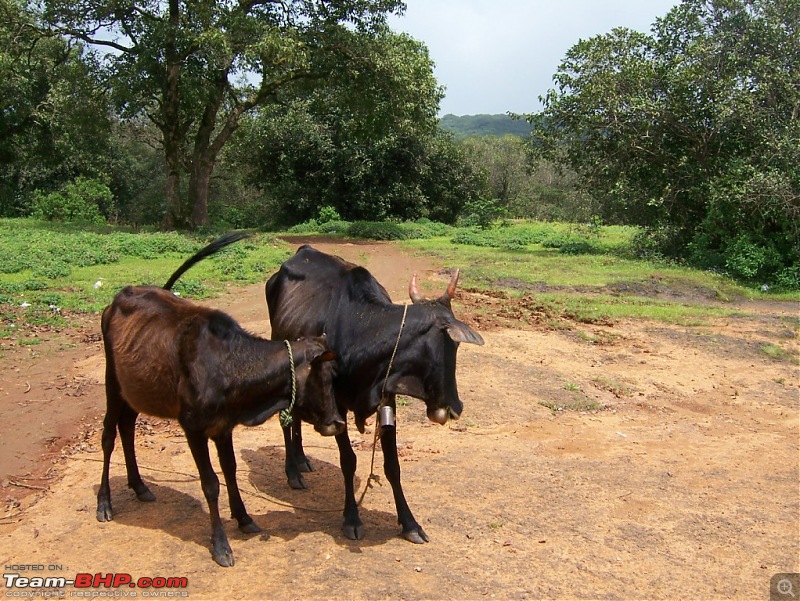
(209, 250)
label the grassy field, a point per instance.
(49, 270)
(594, 286)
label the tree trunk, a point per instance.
(174, 217)
(199, 183)
(171, 130)
(206, 151)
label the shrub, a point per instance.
(376, 230)
(482, 213)
(81, 200)
(471, 238)
(308, 227)
(52, 270)
(11, 262)
(334, 227)
(327, 214)
(34, 285)
(433, 228)
(190, 288)
(51, 299)
(579, 247)
(788, 278)
(749, 261)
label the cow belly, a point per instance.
(148, 384)
(143, 388)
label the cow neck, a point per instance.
(391, 359)
(372, 475)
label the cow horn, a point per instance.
(451, 288)
(413, 291)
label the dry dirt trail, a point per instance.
(685, 485)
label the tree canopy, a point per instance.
(368, 145)
(195, 68)
(692, 131)
(47, 137)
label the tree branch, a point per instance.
(84, 37)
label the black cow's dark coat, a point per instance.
(315, 293)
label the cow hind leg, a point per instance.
(127, 431)
(114, 407)
(227, 460)
(352, 527)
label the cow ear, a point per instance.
(326, 355)
(321, 353)
(461, 332)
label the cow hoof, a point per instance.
(223, 557)
(146, 496)
(250, 527)
(104, 513)
(305, 466)
(416, 536)
(142, 492)
(297, 482)
(353, 532)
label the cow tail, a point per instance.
(203, 253)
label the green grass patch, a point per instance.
(778, 353)
(47, 268)
(580, 273)
(587, 274)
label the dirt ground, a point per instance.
(681, 480)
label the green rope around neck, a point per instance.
(286, 414)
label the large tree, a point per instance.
(367, 145)
(196, 67)
(46, 137)
(692, 131)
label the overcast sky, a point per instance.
(494, 56)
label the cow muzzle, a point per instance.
(442, 414)
(332, 429)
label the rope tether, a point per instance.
(286, 414)
(372, 476)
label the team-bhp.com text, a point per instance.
(87, 585)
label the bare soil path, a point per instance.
(681, 482)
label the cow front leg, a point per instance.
(227, 460)
(296, 460)
(352, 527)
(412, 531)
(299, 453)
(220, 549)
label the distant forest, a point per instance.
(465, 126)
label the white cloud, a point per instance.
(495, 56)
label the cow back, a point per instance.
(313, 292)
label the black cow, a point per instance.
(315, 293)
